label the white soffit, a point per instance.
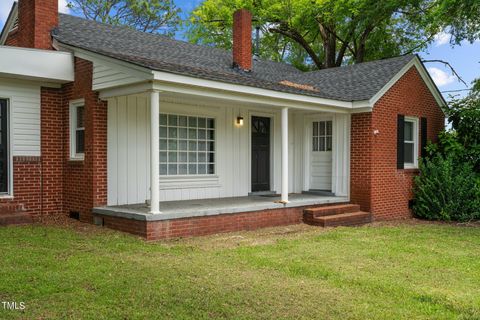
(36, 65)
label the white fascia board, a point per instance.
(181, 83)
(131, 89)
(126, 67)
(36, 65)
(415, 62)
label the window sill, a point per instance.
(188, 182)
(77, 159)
(6, 196)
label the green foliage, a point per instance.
(154, 16)
(447, 190)
(320, 33)
(460, 17)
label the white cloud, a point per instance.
(440, 77)
(442, 38)
(63, 6)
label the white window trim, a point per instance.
(73, 120)
(414, 165)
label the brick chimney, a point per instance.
(242, 40)
(36, 20)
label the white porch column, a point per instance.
(285, 155)
(154, 152)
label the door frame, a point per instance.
(271, 116)
(308, 132)
(9, 193)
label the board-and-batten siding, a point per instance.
(24, 110)
(129, 147)
(106, 77)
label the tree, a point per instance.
(316, 34)
(154, 16)
(325, 33)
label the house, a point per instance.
(162, 138)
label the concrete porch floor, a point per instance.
(210, 207)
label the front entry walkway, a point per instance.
(211, 207)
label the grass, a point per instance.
(402, 271)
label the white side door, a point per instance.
(321, 155)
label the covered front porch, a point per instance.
(211, 207)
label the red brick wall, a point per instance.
(390, 189)
(52, 129)
(360, 160)
(85, 184)
(12, 39)
(36, 20)
(242, 39)
(200, 226)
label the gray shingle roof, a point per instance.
(351, 83)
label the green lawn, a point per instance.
(407, 271)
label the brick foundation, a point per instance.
(201, 226)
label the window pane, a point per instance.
(163, 169)
(172, 157)
(321, 145)
(80, 142)
(322, 128)
(211, 168)
(163, 144)
(408, 131)
(202, 146)
(201, 134)
(192, 133)
(182, 157)
(182, 145)
(163, 119)
(211, 135)
(182, 133)
(172, 144)
(172, 120)
(202, 169)
(172, 133)
(315, 144)
(192, 169)
(192, 157)
(163, 132)
(329, 128)
(182, 121)
(192, 146)
(183, 169)
(211, 146)
(202, 122)
(211, 123)
(163, 157)
(202, 157)
(409, 156)
(329, 143)
(315, 129)
(172, 169)
(80, 117)
(211, 157)
(192, 122)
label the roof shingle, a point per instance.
(351, 83)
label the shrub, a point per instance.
(447, 189)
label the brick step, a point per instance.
(343, 219)
(15, 218)
(8, 208)
(331, 210)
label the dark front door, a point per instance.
(260, 154)
(3, 146)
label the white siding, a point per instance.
(24, 109)
(129, 147)
(106, 77)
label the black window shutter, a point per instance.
(400, 141)
(423, 136)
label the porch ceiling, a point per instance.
(210, 207)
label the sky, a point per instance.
(465, 58)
